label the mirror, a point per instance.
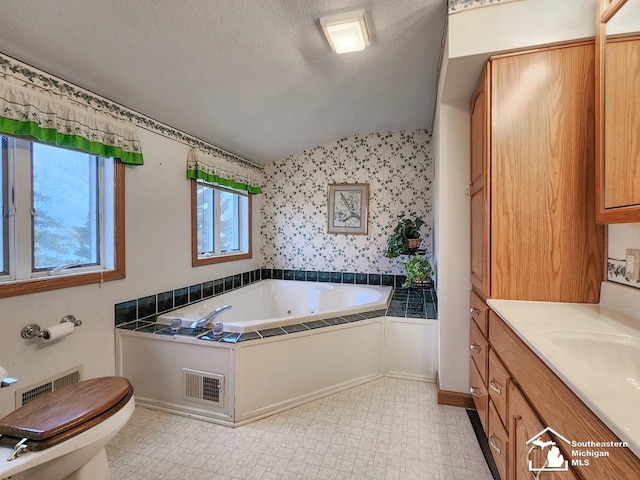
(618, 116)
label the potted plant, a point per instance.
(405, 236)
(419, 272)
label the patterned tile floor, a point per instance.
(385, 429)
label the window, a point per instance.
(62, 222)
(4, 221)
(220, 224)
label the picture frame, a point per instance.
(348, 208)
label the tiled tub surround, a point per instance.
(418, 303)
(413, 303)
(147, 308)
(334, 277)
(398, 167)
(274, 369)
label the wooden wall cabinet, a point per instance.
(533, 228)
(478, 190)
(618, 112)
(534, 234)
(621, 174)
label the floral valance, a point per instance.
(28, 111)
(223, 171)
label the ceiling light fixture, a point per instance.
(346, 32)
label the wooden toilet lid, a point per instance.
(68, 411)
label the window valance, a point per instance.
(223, 171)
(27, 111)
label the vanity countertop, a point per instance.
(595, 350)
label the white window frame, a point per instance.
(21, 276)
(244, 227)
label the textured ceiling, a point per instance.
(254, 77)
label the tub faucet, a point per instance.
(206, 321)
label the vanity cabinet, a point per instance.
(520, 397)
(533, 227)
(479, 361)
(536, 399)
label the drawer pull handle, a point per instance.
(494, 446)
(475, 348)
(493, 384)
(474, 311)
(474, 392)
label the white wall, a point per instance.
(453, 240)
(158, 259)
(621, 237)
(473, 36)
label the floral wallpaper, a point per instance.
(461, 5)
(398, 167)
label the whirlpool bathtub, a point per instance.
(277, 303)
(285, 343)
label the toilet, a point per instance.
(63, 434)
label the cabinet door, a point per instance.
(524, 424)
(545, 244)
(478, 188)
(621, 123)
(479, 349)
(480, 395)
(498, 439)
(498, 384)
(479, 312)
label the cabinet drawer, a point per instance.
(497, 385)
(498, 441)
(480, 395)
(478, 310)
(479, 349)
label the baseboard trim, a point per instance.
(454, 399)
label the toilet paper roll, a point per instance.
(3, 373)
(57, 331)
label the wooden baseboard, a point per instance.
(454, 399)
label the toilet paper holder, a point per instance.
(33, 330)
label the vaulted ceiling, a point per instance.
(254, 77)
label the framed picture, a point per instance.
(348, 208)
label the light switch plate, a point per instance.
(632, 264)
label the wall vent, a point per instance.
(203, 387)
(27, 394)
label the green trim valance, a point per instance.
(45, 117)
(222, 171)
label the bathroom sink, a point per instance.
(599, 353)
